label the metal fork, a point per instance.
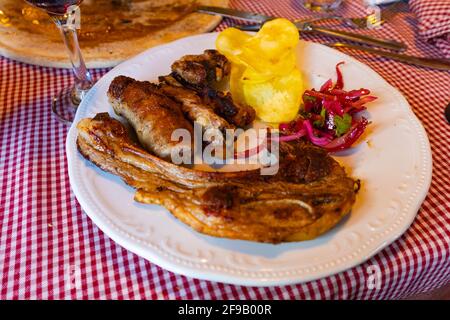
(357, 23)
(436, 63)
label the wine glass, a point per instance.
(65, 14)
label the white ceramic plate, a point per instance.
(393, 161)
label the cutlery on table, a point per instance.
(357, 23)
(305, 27)
(441, 64)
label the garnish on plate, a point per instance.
(329, 117)
(264, 75)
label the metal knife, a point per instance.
(441, 64)
(304, 27)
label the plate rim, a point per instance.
(244, 277)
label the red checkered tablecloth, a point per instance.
(46, 238)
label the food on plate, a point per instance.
(156, 110)
(277, 100)
(195, 109)
(202, 74)
(264, 75)
(264, 71)
(330, 118)
(201, 69)
(308, 196)
(153, 115)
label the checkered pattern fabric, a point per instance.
(434, 22)
(50, 249)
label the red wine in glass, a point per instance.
(64, 105)
(54, 6)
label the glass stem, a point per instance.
(83, 79)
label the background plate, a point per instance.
(393, 160)
(28, 35)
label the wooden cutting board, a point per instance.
(111, 31)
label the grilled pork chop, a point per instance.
(308, 196)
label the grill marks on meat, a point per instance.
(220, 103)
(201, 73)
(219, 198)
(300, 167)
(203, 69)
(156, 110)
(223, 104)
(153, 115)
(293, 205)
(194, 108)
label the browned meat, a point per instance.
(201, 73)
(222, 103)
(202, 69)
(307, 197)
(194, 108)
(153, 115)
(170, 80)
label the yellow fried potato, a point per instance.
(230, 43)
(269, 51)
(250, 75)
(277, 100)
(264, 71)
(260, 69)
(274, 39)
